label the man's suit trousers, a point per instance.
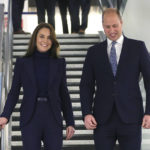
(17, 9)
(128, 135)
(74, 11)
(44, 6)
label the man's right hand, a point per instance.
(90, 122)
(3, 122)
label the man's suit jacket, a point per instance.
(123, 89)
(24, 76)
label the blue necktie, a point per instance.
(113, 58)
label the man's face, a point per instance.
(112, 26)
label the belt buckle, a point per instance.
(42, 99)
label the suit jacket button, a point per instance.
(115, 82)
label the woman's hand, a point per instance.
(69, 132)
(3, 122)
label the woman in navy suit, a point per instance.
(41, 74)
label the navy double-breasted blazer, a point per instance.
(24, 76)
(100, 90)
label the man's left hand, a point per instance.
(69, 132)
(146, 122)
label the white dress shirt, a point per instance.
(118, 47)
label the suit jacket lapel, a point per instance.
(123, 55)
(31, 71)
(52, 71)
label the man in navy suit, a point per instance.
(110, 96)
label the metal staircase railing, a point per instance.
(6, 76)
(1, 48)
(1, 43)
(119, 4)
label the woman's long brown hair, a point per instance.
(53, 51)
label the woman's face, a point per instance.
(43, 40)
